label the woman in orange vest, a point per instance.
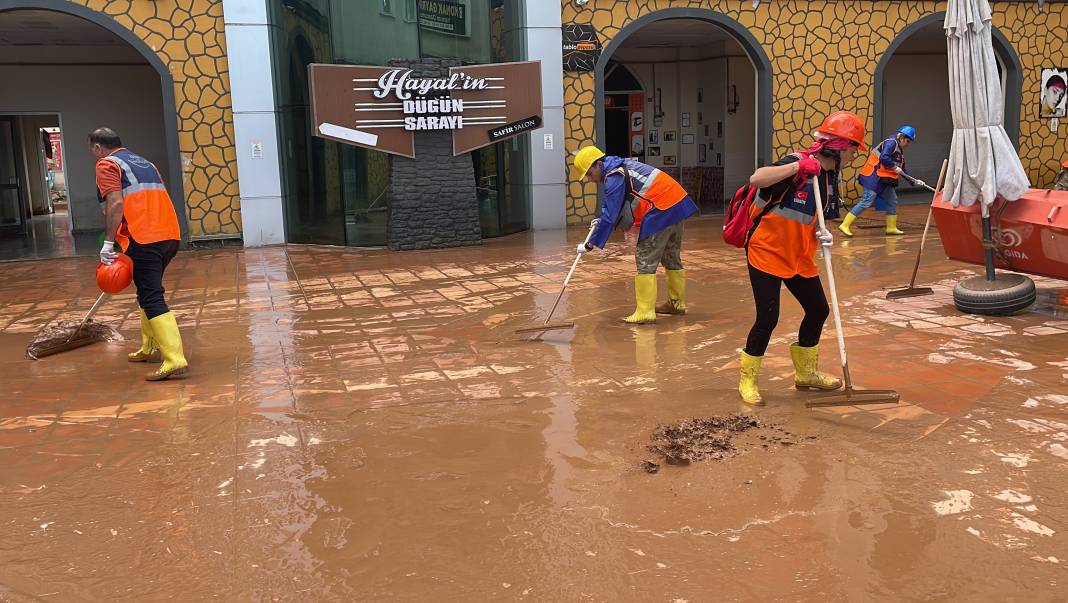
(140, 217)
(781, 247)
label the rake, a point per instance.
(912, 290)
(849, 396)
(547, 326)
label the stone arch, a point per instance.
(1002, 47)
(753, 49)
(175, 187)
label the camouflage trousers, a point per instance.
(664, 247)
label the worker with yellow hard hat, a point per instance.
(641, 197)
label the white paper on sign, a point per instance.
(348, 134)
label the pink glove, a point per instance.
(808, 168)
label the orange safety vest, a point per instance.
(784, 243)
(147, 212)
(874, 165)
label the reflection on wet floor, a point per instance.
(365, 425)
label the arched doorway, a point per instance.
(60, 60)
(698, 95)
(912, 87)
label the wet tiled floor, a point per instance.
(365, 425)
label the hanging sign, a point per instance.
(382, 108)
(581, 47)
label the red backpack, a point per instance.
(738, 225)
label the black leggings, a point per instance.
(807, 291)
(150, 260)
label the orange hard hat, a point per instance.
(1064, 164)
(845, 124)
(116, 277)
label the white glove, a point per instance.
(108, 254)
(581, 248)
(897, 168)
(921, 184)
(825, 238)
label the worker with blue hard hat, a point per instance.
(879, 178)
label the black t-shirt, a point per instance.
(826, 179)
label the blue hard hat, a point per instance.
(907, 131)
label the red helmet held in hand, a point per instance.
(116, 277)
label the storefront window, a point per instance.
(339, 194)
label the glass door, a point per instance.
(11, 215)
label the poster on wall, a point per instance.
(702, 154)
(654, 136)
(382, 108)
(1054, 85)
(636, 108)
(55, 162)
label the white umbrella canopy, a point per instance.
(982, 161)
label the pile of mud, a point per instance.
(712, 438)
(60, 334)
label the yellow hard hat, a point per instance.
(586, 157)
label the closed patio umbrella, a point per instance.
(983, 163)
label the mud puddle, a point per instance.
(714, 439)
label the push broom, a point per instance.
(849, 396)
(71, 335)
(912, 290)
(547, 326)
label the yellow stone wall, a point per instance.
(823, 55)
(188, 37)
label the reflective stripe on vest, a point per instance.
(652, 187)
(148, 214)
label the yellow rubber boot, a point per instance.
(747, 384)
(844, 226)
(165, 331)
(148, 350)
(644, 299)
(676, 286)
(891, 226)
(806, 369)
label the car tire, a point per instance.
(1007, 294)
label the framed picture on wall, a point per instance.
(719, 129)
(669, 135)
(706, 130)
(669, 159)
(687, 139)
(1052, 101)
(700, 118)
(700, 95)
(654, 136)
(686, 120)
(719, 159)
(702, 154)
(654, 151)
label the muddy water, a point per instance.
(365, 426)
